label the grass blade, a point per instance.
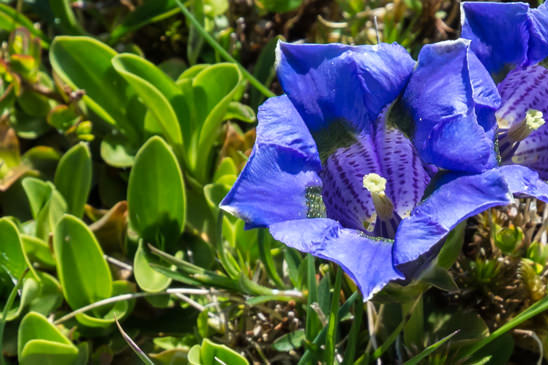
(140, 353)
(331, 340)
(350, 352)
(217, 47)
(266, 258)
(427, 351)
(529, 313)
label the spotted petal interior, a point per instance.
(521, 90)
(384, 151)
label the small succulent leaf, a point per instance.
(147, 278)
(40, 341)
(156, 194)
(83, 271)
(13, 258)
(85, 63)
(73, 178)
(158, 92)
(210, 351)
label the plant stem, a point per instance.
(217, 47)
(7, 306)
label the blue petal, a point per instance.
(460, 197)
(533, 152)
(523, 89)
(442, 95)
(538, 43)
(524, 182)
(273, 186)
(280, 124)
(339, 83)
(498, 31)
(367, 261)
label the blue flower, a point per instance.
(457, 120)
(330, 175)
(511, 39)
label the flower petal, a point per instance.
(533, 152)
(388, 153)
(523, 181)
(498, 31)
(367, 261)
(280, 124)
(442, 99)
(277, 184)
(345, 84)
(460, 197)
(538, 43)
(522, 89)
(406, 176)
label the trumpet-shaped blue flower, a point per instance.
(331, 176)
(456, 123)
(511, 39)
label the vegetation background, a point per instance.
(123, 123)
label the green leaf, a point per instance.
(85, 63)
(40, 342)
(194, 355)
(83, 272)
(533, 310)
(215, 87)
(280, 6)
(159, 93)
(156, 194)
(110, 313)
(195, 40)
(73, 178)
(148, 279)
(117, 152)
(62, 117)
(210, 352)
(65, 19)
(289, 341)
(140, 353)
(12, 256)
(427, 351)
(264, 70)
(452, 247)
(149, 12)
(47, 205)
(239, 111)
(11, 19)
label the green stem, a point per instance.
(7, 306)
(217, 47)
(266, 258)
(331, 340)
(350, 353)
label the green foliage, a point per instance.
(115, 155)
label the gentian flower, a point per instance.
(458, 119)
(511, 39)
(330, 175)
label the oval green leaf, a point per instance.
(39, 342)
(158, 92)
(83, 272)
(73, 178)
(148, 279)
(156, 194)
(12, 256)
(85, 63)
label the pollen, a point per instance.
(374, 183)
